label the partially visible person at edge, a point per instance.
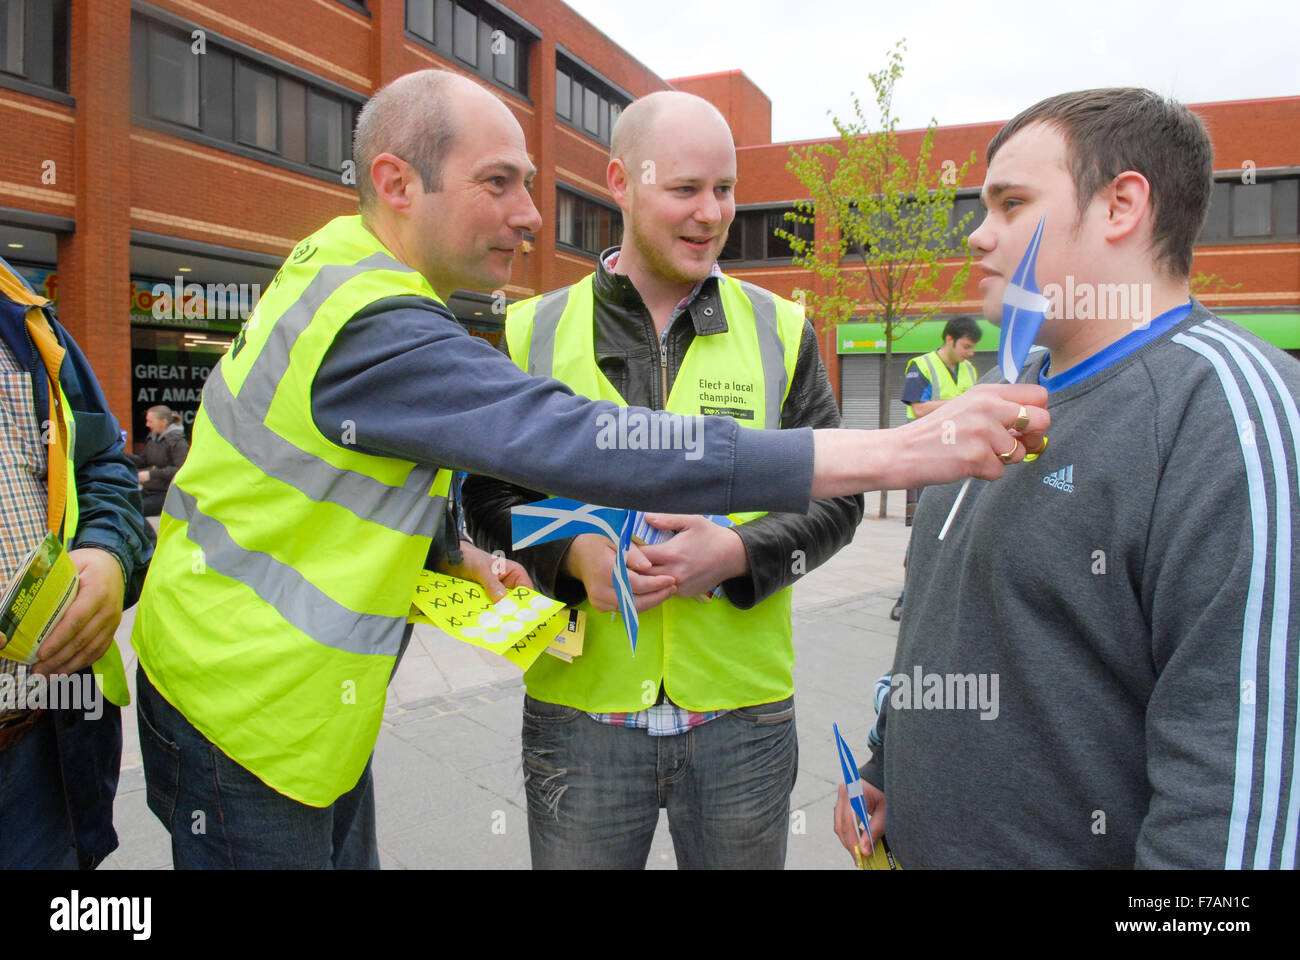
(317, 481)
(711, 683)
(930, 381)
(1096, 666)
(59, 764)
(164, 452)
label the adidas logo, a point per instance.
(1062, 479)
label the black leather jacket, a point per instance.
(627, 352)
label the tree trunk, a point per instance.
(883, 417)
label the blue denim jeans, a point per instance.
(222, 816)
(594, 790)
(35, 828)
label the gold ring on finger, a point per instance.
(1022, 420)
(1006, 457)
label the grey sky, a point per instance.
(965, 62)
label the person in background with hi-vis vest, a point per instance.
(950, 368)
(63, 469)
(700, 720)
(320, 466)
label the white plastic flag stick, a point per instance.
(953, 512)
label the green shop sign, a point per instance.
(1280, 329)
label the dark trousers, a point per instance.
(222, 816)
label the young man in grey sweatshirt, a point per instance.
(1096, 664)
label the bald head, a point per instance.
(661, 118)
(416, 118)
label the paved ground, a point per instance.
(449, 789)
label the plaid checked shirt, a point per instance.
(23, 497)
(663, 719)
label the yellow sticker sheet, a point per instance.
(518, 627)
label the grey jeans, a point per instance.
(594, 790)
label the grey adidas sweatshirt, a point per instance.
(1097, 666)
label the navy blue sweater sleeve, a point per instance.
(108, 499)
(916, 389)
(404, 379)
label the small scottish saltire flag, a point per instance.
(558, 519)
(854, 784)
(622, 586)
(1023, 309)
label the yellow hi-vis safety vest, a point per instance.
(276, 603)
(936, 371)
(62, 509)
(709, 656)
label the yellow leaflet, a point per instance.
(518, 627)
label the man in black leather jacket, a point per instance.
(652, 299)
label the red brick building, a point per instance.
(185, 145)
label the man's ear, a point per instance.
(393, 179)
(616, 177)
(1128, 200)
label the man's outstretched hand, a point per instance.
(964, 439)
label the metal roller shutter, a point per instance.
(860, 390)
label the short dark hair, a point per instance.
(1108, 131)
(959, 327)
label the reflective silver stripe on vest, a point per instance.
(241, 422)
(546, 320)
(770, 349)
(934, 377)
(293, 597)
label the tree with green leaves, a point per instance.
(885, 237)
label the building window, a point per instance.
(962, 206)
(753, 235)
(563, 95)
(466, 42)
(34, 41)
(256, 107)
(903, 235)
(173, 78)
(586, 224)
(1266, 209)
(473, 34)
(585, 103)
(503, 59)
(324, 131)
(223, 96)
